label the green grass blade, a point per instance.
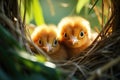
(37, 12)
(81, 4)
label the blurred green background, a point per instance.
(52, 11)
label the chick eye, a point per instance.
(55, 42)
(65, 35)
(81, 34)
(40, 42)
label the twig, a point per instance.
(5, 19)
(102, 13)
(98, 15)
(71, 75)
(106, 25)
(80, 69)
(98, 72)
(52, 10)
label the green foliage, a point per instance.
(81, 4)
(51, 11)
(15, 66)
(37, 12)
(33, 11)
(63, 8)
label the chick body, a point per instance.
(45, 37)
(74, 34)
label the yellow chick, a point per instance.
(46, 38)
(74, 34)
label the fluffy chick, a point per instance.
(45, 37)
(74, 34)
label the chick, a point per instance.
(74, 34)
(46, 38)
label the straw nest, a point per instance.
(99, 61)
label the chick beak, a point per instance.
(48, 47)
(74, 40)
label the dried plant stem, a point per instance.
(71, 74)
(102, 14)
(77, 67)
(52, 10)
(99, 71)
(4, 19)
(98, 15)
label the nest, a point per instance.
(99, 61)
